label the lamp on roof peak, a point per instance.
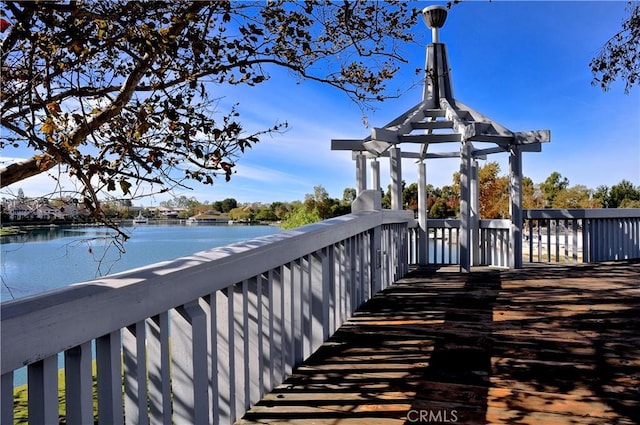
(434, 17)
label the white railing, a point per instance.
(494, 243)
(198, 339)
(565, 236)
(492, 246)
(582, 235)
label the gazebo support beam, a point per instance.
(396, 178)
(474, 209)
(361, 172)
(375, 174)
(465, 207)
(515, 196)
(423, 235)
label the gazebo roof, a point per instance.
(440, 118)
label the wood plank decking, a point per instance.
(543, 345)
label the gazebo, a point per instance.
(440, 118)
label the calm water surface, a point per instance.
(50, 258)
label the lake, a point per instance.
(50, 258)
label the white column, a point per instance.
(423, 235)
(515, 195)
(465, 207)
(475, 214)
(396, 178)
(375, 174)
(361, 172)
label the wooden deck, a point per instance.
(543, 345)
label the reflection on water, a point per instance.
(49, 233)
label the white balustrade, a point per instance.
(560, 236)
(582, 235)
(202, 338)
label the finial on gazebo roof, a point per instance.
(435, 17)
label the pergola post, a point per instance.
(375, 174)
(474, 214)
(465, 207)
(515, 207)
(395, 156)
(361, 172)
(423, 234)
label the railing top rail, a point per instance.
(575, 213)
(84, 311)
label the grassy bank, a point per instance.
(20, 401)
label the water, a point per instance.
(51, 258)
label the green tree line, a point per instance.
(554, 192)
(442, 202)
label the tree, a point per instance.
(552, 186)
(438, 209)
(241, 214)
(349, 195)
(266, 213)
(227, 205)
(410, 197)
(493, 192)
(621, 192)
(300, 217)
(577, 196)
(602, 194)
(319, 201)
(620, 55)
(120, 93)
(532, 197)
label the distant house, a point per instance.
(41, 209)
(166, 212)
(203, 218)
(20, 211)
(45, 211)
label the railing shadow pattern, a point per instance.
(548, 344)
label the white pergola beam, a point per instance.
(534, 136)
(430, 138)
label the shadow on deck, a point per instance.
(547, 344)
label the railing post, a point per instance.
(78, 380)
(190, 377)
(376, 260)
(159, 369)
(109, 369)
(43, 391)
(6, 390)
(135, 373)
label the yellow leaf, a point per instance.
(54, 108)
(48, 127)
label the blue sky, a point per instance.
(523, 64)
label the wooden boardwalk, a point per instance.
(543, 345)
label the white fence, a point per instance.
(582, 235)
(198, 339)
(492, 246)
(553, 236)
